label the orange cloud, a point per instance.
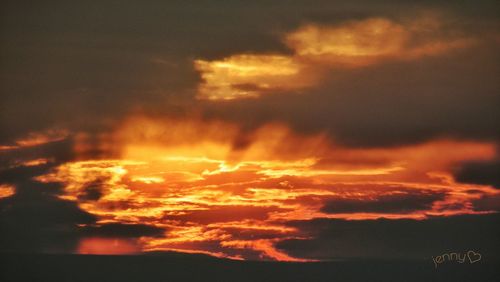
(187, 177)
(359, 43)
(248, 76)
(354, 42)
(6, 191)
(37, 138)
(107, 246)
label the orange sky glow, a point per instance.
(192, 178)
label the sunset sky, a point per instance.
(250, 130)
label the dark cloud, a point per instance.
(483, 173)
(392, 203)
(13, 169)
(56, 151)
(225, 213)
(487, 203)
(214, 246)
(402, 238)
(34, 220)
(22, 173)
(92, 191)
(119, 230)
(252, 234)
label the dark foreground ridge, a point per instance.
(188, 267)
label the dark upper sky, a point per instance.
(82, 63)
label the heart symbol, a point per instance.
(473, 256)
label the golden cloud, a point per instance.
(6, 190)
(353, 42)
(359, 43)
(320, 48)
(248, 76)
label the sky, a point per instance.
(251, 130)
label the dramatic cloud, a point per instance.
(175, 186)
(276, 131)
